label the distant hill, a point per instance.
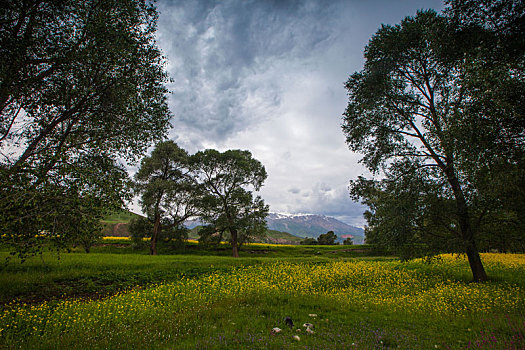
(282, 228)
(272, 236)
(311, 225)
(116, 224)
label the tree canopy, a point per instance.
(442, 158)
(168, 191)
(327, 238)
(81, 88)
(227, 203)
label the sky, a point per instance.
(268, 76)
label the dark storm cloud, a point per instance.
(214, 46)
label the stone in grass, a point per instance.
(288, 321)
(276, 330)
(296, 337)
(308, 325)
(312, 315)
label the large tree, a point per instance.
(411, 113)
(227, 203)
(81, 87)
(168, 190)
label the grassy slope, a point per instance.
(120, 217)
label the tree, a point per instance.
(410, 114)
(227, 204)
(348, 241)
(327, 238)
(210, 235)
(309, 241)
(81, 86)
(168, 191)
(140, 228)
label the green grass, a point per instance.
(123, 216)
(202, 299)
(114, 265)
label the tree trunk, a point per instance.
(478, 271)
(235, 249)
(467, 235)
(155, 236)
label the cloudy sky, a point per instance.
(267, 76)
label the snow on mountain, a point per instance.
(306, 225)
(311, 225)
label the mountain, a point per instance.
(306, 225)
(310, 225)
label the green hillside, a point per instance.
(275, 236)
(122, 217)
(116, 225)
(272, 236)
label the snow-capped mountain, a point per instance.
(307, 225)
(311, 225)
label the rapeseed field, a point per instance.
(365, 289)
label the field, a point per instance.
(117, 298)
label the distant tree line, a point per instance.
(215, 186)
(328, 238)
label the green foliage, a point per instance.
(309, 241)
(419, 114)
(209, 235)
(169, 193)
(81, 87)
(327, 238)
(140, 228)
(348, 241)
(226, 203)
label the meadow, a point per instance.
(192, 300)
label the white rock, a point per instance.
(312, 315)
(296, 337)
(276, 330)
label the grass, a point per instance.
(123, 216)
(114, 266)
(184, 301)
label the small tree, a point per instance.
(210, 235)
(226, 203)
(140, 228)
(348, 241)
(327, 238)
(309, 241)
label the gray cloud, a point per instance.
(268, 76)
(294, 190)
(220, 52)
